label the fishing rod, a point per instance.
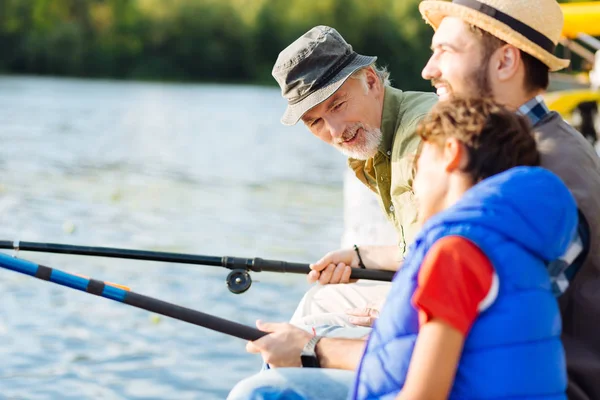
(238, 280)
(122, 294)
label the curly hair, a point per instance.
(496, 139)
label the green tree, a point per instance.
(201, 40)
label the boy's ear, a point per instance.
(455, 155)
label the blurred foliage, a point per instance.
(200, 40)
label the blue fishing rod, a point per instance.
(122, 294)
(238, 280)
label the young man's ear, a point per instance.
(455, 155)
(505, 62)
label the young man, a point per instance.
(471, 313)
(505, 49)
(346, 101)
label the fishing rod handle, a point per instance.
(193, 316)
(260, 264)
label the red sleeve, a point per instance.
(454, 280)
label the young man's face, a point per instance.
(350, 119)
(431, 180)
(457, 65)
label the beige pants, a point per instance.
(364, 224)
(327, 304)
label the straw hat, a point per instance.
(533, 26)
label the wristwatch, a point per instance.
(309, 355)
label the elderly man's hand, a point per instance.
(282, 347)
(363, 316)
(334, 267)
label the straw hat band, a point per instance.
(325, 79)
(535, 36)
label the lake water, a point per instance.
(202, 169)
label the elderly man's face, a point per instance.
(350, 119)
(457, 65)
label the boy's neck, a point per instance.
(459, 184)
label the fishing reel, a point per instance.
(238, 281)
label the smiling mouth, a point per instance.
(442, 90)
(352, 138)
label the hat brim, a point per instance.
(434, 11)
(294, 112)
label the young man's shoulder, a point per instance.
(567, 153)
(554, 127)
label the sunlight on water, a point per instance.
(201, 169)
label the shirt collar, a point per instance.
(392, 100)
(535, 110)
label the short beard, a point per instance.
(479, 85)
(367, 145)
(482, 80)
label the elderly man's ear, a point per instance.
(372, 80)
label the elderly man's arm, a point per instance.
(284, 344)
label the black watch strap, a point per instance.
(360, 261)
(309, 355)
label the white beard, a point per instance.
(366, 146)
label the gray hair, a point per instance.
(382, 73)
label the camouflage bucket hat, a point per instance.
(312, 68)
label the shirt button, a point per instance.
(392, 209)
(389, 153)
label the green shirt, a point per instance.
(390, 172)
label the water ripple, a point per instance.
(201, 169)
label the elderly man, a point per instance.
(346, 101)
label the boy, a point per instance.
(471, 313)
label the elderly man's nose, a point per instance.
(336, 128)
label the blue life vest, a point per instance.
(520, 219)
